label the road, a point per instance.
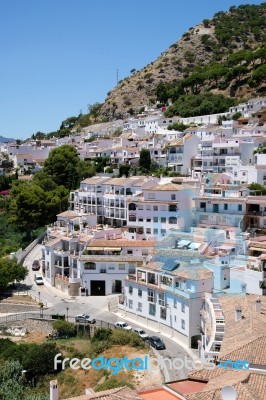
(58, 302)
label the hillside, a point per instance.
(225, 55)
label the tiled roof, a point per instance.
(249, 385)
(171, 187)
(68, 214)
(123, 393)
(254, 352)
(239, 334)
(95, 180)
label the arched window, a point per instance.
(89, 265)
(132, 207)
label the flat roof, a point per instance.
(187, 386)
(158, 394)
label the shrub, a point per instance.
(112, 383)
(102, 334)
(64, 328)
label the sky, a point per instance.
(59, 56)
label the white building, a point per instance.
(168, 296)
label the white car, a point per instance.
(141, 333)
(123, 325)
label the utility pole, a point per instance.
(117, 76)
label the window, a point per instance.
(163, 208)
(155, 219)
(163, 231)
(155, 231)
(163, 219)
(161, 300)
(148, 230)
(148, 220)
(172, 208)
(140, 293)
(130, 290)
(140, 206)
(130, 303)
(47, 252)
(151, 196)
(183, 324)
(148, 207)
(152, 309)
(163, 313)
(183, 307)
(175, 303)
(172, 220)
(111, 268)
(121, 267)
(151, 295)
(140, 219)
(155, 208)
(139, 306)
(239, 207)
(89, 265)
(172, 196)
(225, 206)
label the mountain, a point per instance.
(225, 55)
(6, 140)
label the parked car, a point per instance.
(36, 265)
(85, 318)
(141, 333)
(156, 342)
(123, 325)
(38, 279)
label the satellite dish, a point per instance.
(228, 393)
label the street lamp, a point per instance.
(39, 293)
(67, 312)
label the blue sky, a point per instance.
(58, 56)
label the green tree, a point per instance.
(95, 110)
(124, 169)
(177, 126)
(236, 116)
(259, 75)
(62, 166)
(11, 271)
(145, 159)
(27, 206)
(11, 381)
(45, 181)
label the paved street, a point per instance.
(96, 306)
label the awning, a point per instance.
(225, 247)
(95, 248)
(104, 248)
(112, 249)
(257, 249)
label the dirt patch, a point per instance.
(21, 299)
(34, 337)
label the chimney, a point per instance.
(238, 314)
(54, 392)
(258, 305)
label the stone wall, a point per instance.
(7, 308)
